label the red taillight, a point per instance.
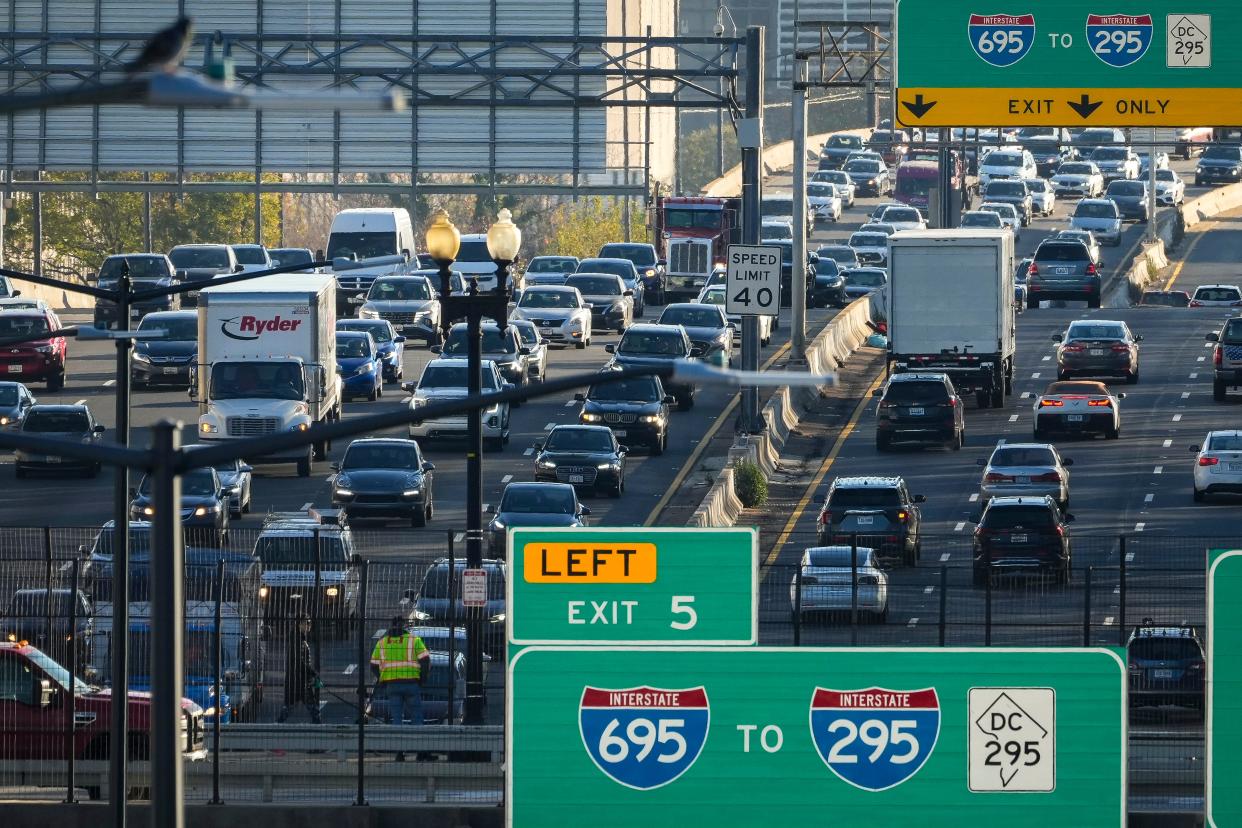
(997, 477)
(1049, 477)
(1100, 403)
(1033, 270)
(1060, 531)
(1073, 349)
(1207, 460)
(1195, 303)
(1121, 349)
(1050, 403)
(825, 517)
(1091, 271)
(1218, 356)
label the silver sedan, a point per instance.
(1026, 469)
(828, 585)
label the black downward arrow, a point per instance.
(1084, 107)
(918, 109)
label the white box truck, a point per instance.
(267, 361)
(950, 299)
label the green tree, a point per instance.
(581, 228)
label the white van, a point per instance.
(364, 243)
(473, 259)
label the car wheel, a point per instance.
(1112, 432)
(418, 519)
(1199, 496)
(983, 399)
(658, 447)
(304, 465)
(618, 489)
(496, 444)
(19, 472)
(979, 576)
(1063, 574)
(1038, 435)
(56, 381)
(374, 395)
(1094, 303)
(1218, 390)
(1032, 303)
(245, 507)
(1132, 377)
(580, 345)
(883, 442)
(685, 403)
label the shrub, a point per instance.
(749, 484)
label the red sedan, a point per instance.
(42, 359)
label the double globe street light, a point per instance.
(504, 240)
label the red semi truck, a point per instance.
(692, 234)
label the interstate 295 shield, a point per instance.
(1119, 39)
(875, 738)
(644, 737)
(1001, 39)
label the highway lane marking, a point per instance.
(1046, 359)
(1035, 375)
(706, 440)
(928, 590)
(944, 556)
(1208, 345)
(1130, 555)
(974, 497)
(1166, 444)
(349, 670)
(109, 383)
(549, 426)
(571, 403)
(528, 452)
(506, 478)
(1108, 620)
(306, 506)
(80, 402)
(1013, 418)
(459, 537)
(1177, 418)
(961, 524)
(913, 622)
(1194, 374)
(820, 474)
(1026, 395)
(1185, 395)
(1202, 359)
(485, 505)
(1177, 269)
(1158, 470)
(1149, 498)
(1138, 527)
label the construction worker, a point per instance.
(403, 662)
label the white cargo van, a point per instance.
(364, 243)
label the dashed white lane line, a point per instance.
(1108, 620)
(1013, 418)
(1026, 395)
(1166, 444)
(974, 497)
(307, 505)
(486, 506)
(549, 426)
(1148, 498)
(1185, 395)
(944, 557)
(1035, 375)
(1202, 359)
(528, 452)
(913, 622)
(571, 403)
(506, 478)
(80, 402)
(1208, 345)
(109, 383)
(1158, 470)
(1177, 418)
(459, 537)
(1130, 555)
(961, 524)
(1046, 359)
(1194, 375)
(1138, 527)
(349, 669)
(928, 590)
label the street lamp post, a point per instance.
(503, 241)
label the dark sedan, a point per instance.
(15, 401)
(636, 409)
(167, 360)
(433, 604)
(146, 271)
(656, 345)
(385, 478)
(828, 289)
(66, 422)
(1130, 198)
(533, 504)
(1098, 348)
(708, 329)
(584, 456)
(204, 506)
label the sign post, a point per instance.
(614, 737)
(1162, 64)
(1223, 727)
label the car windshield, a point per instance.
(474, 251)
(827, 267)
(527, 334)
(362, 245)
(595, 285)
(8, 395)
(1166, 175)
(379, 330)
(1127, 188)
(714, 297)
(390, 290)
(1085, 331)
(865, 278)
(436, 585)
(1095, 209)
(776, 231)
(278, 550)
(838, 556)
(777, 206)
(33, 604)
(579, 439)
(250, 254)
(381, 456)
(265, 380)
(1075, 169)
(841, 255)
(180, 328)
(1003, 159)
(1232, 333)
(862, 165)
(844, 499)
(1025, 456)
(227, 467)
(868, 240)
(140, 267)
(352, 347)
(1225, 442)
(652, 342)
(910, 185)
(1061, 252)
(188, 257)
(550, 264)
(1216, 294)
(548, 299)
(640, 254)
(835, 176)
(624, 269)
(685, 218)
(844, 141)
(901, 214)
(820, 190)
(494, 342)
(1170, 648)
(922, 392)
(66, 422)
(638, 389)
(1036, 185)
(451, 376)
(198, 483)
(1005, 210)
(539, 500)
(1220, 153)
(19, 326)
(1018, 517)
(1109, 154)
(977, 219)
(291, 256)
(54, 671)
(692, 317)
(1005, 188)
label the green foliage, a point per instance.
(700, 160)
(581, 228)
(749, 484)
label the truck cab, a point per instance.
(692, 235)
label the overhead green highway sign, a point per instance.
(1224, 689)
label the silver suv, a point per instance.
(1101, 217)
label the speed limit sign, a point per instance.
(753, 280)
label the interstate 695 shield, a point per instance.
(644, 737)
(1001, 39)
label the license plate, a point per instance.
(1017, 538)
(1096, 352)
(1022, 479)
(170, 370)
(1162, 674)
(52, 458)
(866, 521)
(916, 412)
(15, 369)
(1061, 271)
(545, 330)
(698, 283)
(1235, 467)
(1073, 418)
(619, 432)
(134, 313)
(577, 478)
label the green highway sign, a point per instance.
(614, 737)
(1224, 689)
(633, 586)
(1058, 63)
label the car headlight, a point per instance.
(419, 615)
(367, 313)
(651, 418)
(422, 316)
(498, 525)
(4, 421)
(332, 591)
(411, 492)
(649, 271)
(417, 402)
(498, 618)
(141, 357)
(575, 323)
(263, 591)
(44, 349)
(545, 464)
(203, 511)
(148, 510)
(592, 418)
(610, 464)
(299, 427)
(365, 368)
(341, 492)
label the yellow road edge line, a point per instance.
(837, 445)
(708, 436)
(1177, 270)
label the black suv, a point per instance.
(1062, 269)
(636, 410)
(1167, 666)
(646, 344)
(879, 512)
(923, 408)
(1219, 163)
(1027, 534)
(1011, 192)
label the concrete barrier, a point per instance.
(56, 298)
(721, 506)
(1212, 204)
(775, 158)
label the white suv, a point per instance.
(446, 379)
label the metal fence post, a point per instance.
(219, 666)
(944, 600)
(1086, 610)
(854, 590)
(71, 704)
(452, 625)
(318, 602)
(47, 583)
(987, 599)
(364, 658)
(797, 608)
(1121, 590)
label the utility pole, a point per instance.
(1151, 188)
(750, 137)
(118, 785)
(797, 298)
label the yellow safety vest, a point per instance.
(399, 658)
